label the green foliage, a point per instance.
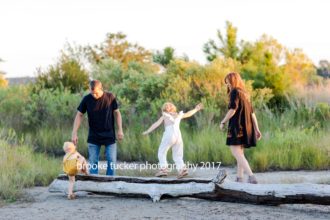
(3, 81)
(68, 73)
(165, 57)
(294, 130)
(262, 66)
(118, 48)
(267, 63)
(324, 69)
(228, 47)
(50, 139)
(20, 168)
(291, 150)
(12, 103)
(136, 86)
(322, 111)
(299, 68)
(50, 108)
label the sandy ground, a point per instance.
(40, 204)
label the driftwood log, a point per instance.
(218, 189)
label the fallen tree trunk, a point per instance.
(218, 189)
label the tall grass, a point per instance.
(283, 146)
(291, 150)
(50, 140)
(291, 140)
(294, 138)
(20, 167)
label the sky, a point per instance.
(34, 32)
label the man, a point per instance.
(101, 108)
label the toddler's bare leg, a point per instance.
(71, 184)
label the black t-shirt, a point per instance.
(240, 127)
(100, 118)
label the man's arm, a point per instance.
(120, 133)
(76, 125)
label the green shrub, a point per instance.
(20, 168)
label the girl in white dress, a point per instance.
(172, 137)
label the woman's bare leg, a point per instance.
(240, 171)
(238, 153)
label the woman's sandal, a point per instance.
(252, 179)
(183, 172)
(239, 180)
(71, 196)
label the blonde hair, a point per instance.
(169, 105)
(69, 146)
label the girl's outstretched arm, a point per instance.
(154, 126)
(192, 112)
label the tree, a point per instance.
(324, 69)
(3, 81)
(299, 67)
(67, 73)
(118, 48)
(261, 63)
(165, 57)
(228, 45)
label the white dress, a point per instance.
(171, 139)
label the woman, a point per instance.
(243, 129)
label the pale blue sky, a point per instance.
(33, 32)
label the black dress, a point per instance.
(240, 127)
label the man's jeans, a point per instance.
(110, 154)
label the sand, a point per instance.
(38, 203)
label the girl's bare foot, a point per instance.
(161, 173)
(182, 173)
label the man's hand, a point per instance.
(74, 138)
(145, 133)
(120, 135)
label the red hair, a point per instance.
(236, 82)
